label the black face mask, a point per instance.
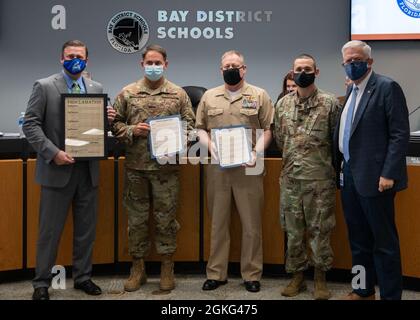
(232, 76)
(304, 79)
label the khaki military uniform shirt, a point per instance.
(136, 103)
(303, 129)
(252, 108)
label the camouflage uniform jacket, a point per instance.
(303, 129)
(136, 103)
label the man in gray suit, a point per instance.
(63, 180)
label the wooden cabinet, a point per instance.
(11, 214)
(339, 239)
(188, 214)
(104, 244)
(407, 216)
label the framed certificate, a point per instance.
(84, 122)
(233, 147)
(165, 138)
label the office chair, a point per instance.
(195, 93)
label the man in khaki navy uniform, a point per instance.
(234, 103)
(150, 97)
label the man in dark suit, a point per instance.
(63, 180)
(370, 141)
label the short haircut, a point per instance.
(237, 53)
(367, 50)
(74, 43)
(157, 48)
(304, 56)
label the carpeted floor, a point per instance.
(187, 287)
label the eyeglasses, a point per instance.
(354, 61)
(232, 66)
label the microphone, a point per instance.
(414, 111)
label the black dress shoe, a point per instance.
(41, 294)
(213, 284)
(88, 287)
(252, 286)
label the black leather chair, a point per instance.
(195, 93)
(273, 151)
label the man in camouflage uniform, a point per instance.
(235, 103)
(149, 97)
(304, 123)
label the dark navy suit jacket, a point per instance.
(379, 137)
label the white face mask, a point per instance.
(153, 72)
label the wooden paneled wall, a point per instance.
(11, 226)
(407, 216)
(11, 214)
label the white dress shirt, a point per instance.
(362, 87)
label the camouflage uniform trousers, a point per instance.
(307, 209)
(162, 187)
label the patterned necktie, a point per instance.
(348, 124)
(75, 88)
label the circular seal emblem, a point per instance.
(127, 32)
(410, 7)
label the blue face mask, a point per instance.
(356, 69)
(153, 73)
(75, 65)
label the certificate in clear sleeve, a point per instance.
(233, 146)
(165, 137)
(84, 120)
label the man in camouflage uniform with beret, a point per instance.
(151, 96)
(304, 123)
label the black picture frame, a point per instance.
(103, 154)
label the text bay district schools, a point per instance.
(202, 17)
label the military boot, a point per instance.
(295, 286)
(137, 276)
(167, 279)
(321, 291)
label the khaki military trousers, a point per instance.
(247, 191)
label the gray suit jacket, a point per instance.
(43, 129)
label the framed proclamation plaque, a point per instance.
(84, 122)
